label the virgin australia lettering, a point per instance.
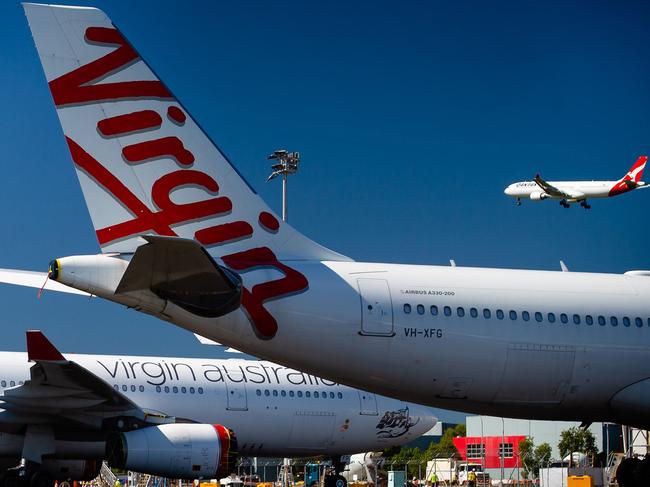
(168, 371)
(260, 286)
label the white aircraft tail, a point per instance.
(145, 166)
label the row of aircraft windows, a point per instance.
(526, 316)
(167, 389)
(12, 383)
(316, 394)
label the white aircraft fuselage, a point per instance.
(273, 410)
(371, 325)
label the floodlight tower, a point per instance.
(287, 164)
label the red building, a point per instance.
(489, 449)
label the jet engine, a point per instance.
(538, 196)
(188, 451)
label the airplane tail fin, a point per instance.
(636, 171)
(144, 165)
(631, 180)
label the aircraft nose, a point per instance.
(509, 191)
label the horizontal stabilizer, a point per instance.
(181, 271)
(206, 341)
(36, 280)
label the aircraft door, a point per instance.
(376, 307)
(236, 391)
(367, 403)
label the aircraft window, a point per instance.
(115, 386)
(20, 382)
(299, 393)
(434, 310)
(141, 388)
(167, 389)
(551, 317)
(525, 315)
(291, 394)
(626, 321)
(500, 314)
(460, 311)
(192, 391)
(184, 390)
(331, 395)
(601, 320)
(576, 319)
(648, 321)
(473, 312)
(564, 318)
(175, 389)
(486, 313)
(124, 388)
(638, 322)
(538, 317)
(613, 320)
(307, 394)
(513, 315)
(589, 319)
(200, 389)
(447, 311)
(275, 393)
(283, 393)
(132, 388)
(267, 393)
(340, 394)
(407, 308)
(420, 309)
(12, 383)
(258, 392)
(316, 394)
(158, 388)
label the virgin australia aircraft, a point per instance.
(186, 239)
(64, 415)
(578, 191)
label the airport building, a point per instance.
(494, 441)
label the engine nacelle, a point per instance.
(71, 469)
(188, 451)
(538, 196)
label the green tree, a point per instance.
(445, 448)
(579, 440)
(533, 458)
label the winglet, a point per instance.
(39, 348)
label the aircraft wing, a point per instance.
(61, 391)
(550, 189)
(37, 280)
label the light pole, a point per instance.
(287, 164)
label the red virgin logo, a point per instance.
(81, 87)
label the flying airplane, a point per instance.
(186, 239)
(578, 191)
(63, 415)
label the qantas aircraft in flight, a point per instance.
(68, 413)
(186, 239)
(578, 191)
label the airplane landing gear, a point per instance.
(584, 204)
(335, 479)
(518, 202)
(564, 204)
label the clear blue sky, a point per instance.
(411, 118)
